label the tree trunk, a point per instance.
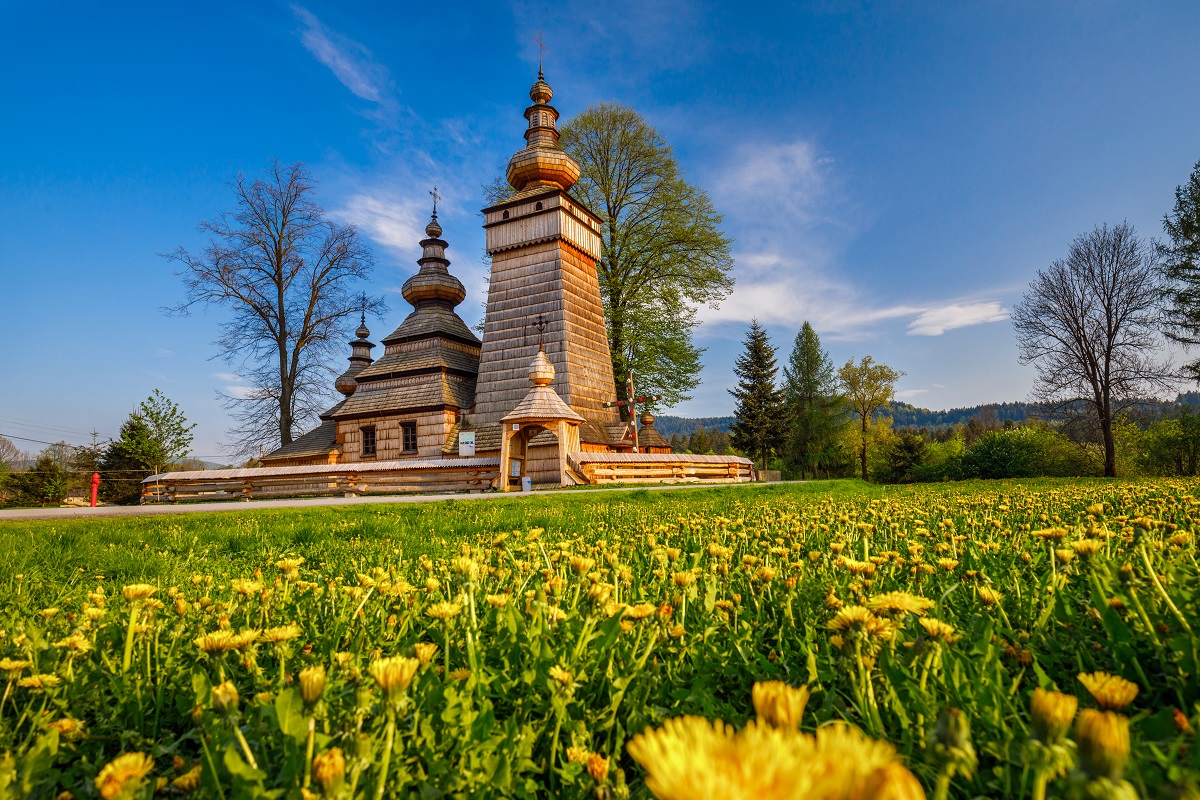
(1110, 448)
(863, 451)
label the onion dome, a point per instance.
(541, 371)
(433, 282)
(542, 162)
(647, 419)
(360, 359)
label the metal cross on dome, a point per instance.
(434, 194)
(541, 50)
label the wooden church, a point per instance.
(535, 399)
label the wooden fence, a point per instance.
(597, 468)
(352, 480)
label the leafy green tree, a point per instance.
(1180, 261)
(868, 387)
(699, 442)
(1172, 446)
(814, 409)
(662, 250)
(759, 426)
(152, 438)
(45, 484)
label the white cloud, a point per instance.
(908, 394)
(227, 377)
(244, 392)
(350, 62)
(778, 181)
(936, 321)
(397, 223)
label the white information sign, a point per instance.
(466, 443)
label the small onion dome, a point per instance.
(363, 331)
(346, 383)
(647, 419)
(541, 92)
(433, 284)
(541, 371)
(433, 229)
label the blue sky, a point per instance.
(894, 172)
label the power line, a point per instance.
(24, 423)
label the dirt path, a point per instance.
(308, 502)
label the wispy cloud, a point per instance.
(909, 394)
(243, 392)
(393, 221)
(227, 377)
(938, 320)
(350, 61)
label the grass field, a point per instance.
(515, 648)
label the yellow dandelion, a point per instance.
(640, 611)
(939, 631)
(460, 674)
(497, 600)
(443, 611)
(189, 781)
(225, 698)
(39, 682)
(214, 643)
(47, 613)
(245, 587)
(561, 675)
(394, 674)
(68, 728)
(281, 634)
(1051, 534)
(312, 683)
(850, 618)
(582, 565)
(1103, 741)
(328, 769)
(896, 603)
(948, 564)
(987, 596)
(1087, 547)
(779, 705)
(1052, 713)
(425, 651)
(136, 592)
(597, 767)
(13, 666)
(124, 775)
(1111, 692)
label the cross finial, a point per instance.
(434, 194)
(541, 51)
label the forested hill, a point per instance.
(905, 415)
(909, 416)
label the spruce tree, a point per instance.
(759, 425)
(814, 408)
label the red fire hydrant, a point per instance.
(95, 487)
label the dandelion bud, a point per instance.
(1052, 714)
(779, 705)
(328, 769)
(225, 698)
(362, 747)
(312, 684)
(1103, 741)
(181, 606)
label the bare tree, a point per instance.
(1087, 323)
(286, 274)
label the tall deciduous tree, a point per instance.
(662, 250)
(815, 410)
(1180, 260)
(153, 437)
(868, 387)
(759, 425)
(287, 275)
(1088, 325)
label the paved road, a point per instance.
(308, 502)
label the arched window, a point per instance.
(538, 207)
(505, 215)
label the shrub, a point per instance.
(43, 485)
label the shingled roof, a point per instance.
(437, 390)
(320, 441)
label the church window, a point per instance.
(368, 440)
(505, 215)
(538, 207)
(408, 437)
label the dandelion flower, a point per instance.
(281, 634)
(896, 603)
(939, 631)
(189, 781)
(1103, 741)
(1111, 692)
(425, 651)
(778, 704)
(13, 666)
(328, 769)
(597, 767)
(225, 698)
(214, 643)
(561, 675)
(68, 728)
(136, 592)
(497, 600)
(39, 682)
(641, 611)
(443, 611)
(394, 674)
(1087, 547)
(312, 683)
(1052, 714)
(124, 775)
(987, 596)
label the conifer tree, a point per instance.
(814, 408)
(759, 424)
